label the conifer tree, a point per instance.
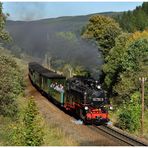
(136, 20)
(32, 125)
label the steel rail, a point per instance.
(121, 135)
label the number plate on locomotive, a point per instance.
(97, 99)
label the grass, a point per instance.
(4, 123)
(56, 137)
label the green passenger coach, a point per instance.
(48, 82)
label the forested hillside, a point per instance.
(137, 19)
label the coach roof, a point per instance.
(44, 71)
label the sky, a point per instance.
(39, 10)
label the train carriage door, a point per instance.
(33, 77)
(62, 92)
(48, 84)
(42, 82)
(62, 98)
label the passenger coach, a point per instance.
(48, 82)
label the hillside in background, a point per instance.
(134, 20)
(59, 37)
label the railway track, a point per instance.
(121, 135)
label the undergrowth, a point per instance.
(114, 116)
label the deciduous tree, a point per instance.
(104, 30)
(4, 35)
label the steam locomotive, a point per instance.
(79, 95)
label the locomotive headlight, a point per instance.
(98, 86)
(86, 107)
(111, 108)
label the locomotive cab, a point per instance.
(96, 111)
(99, 100)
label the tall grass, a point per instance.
(4, 123)
(56, 137)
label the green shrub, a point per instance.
(11, 85)
(129, 117)
(33, 130)
(28, 131)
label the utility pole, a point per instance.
(142, 79)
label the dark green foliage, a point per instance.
(124, 65)
(129, 117)
(11, 85)
(104, 30)
(136, 54)
(11, 81)
(133, 65)
(134, 20)
(112, 67)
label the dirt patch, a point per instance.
(80, 133)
